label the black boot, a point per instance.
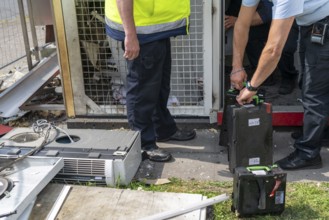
(156, 154)
(295, 162)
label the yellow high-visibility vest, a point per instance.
(151, 16)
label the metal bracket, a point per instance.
(92, 105)
(120, 151)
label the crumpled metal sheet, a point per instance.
(23, 89)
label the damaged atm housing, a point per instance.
(110, 157)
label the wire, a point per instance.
(31, 152)
(41, 126)
(62, 130)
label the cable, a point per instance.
(41, 126)
(29, 153)
(62, 130)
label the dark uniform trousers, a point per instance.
(315, 93)
(148, 88)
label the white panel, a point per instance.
(207, 42)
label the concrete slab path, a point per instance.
(203, 159)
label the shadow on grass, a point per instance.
(303, 211)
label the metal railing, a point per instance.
(20, 38)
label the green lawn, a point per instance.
(303, 200)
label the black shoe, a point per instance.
(180, 135)
(287, 86)
(295, 162)
(157, 155)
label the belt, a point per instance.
(324, 20)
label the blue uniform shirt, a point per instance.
(306, 11)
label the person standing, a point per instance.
(313, 19)
(145, 28)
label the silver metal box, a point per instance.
(109, 157)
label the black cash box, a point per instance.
(230, 99)
(258, 190)
(250, 135)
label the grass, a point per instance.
(303, 200)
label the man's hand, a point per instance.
(238, 78)
(245, 96)
(131, 47)
(125, 8)
(229, 21)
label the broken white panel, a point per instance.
(29, 176)
(14, 97)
